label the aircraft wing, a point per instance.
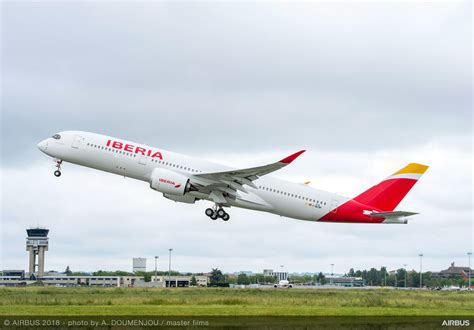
(235, 179)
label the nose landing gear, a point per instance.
(217, 212)
(57, 173)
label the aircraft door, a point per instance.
(76, 141)
(142, 160)
(334, 204)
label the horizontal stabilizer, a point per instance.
(393, 214)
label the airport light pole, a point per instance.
(169, 268)
(421, 270)
(332, 274)
(405, 266)
(384, 275)
(469, 254)
(156, 268)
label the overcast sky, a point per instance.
(365, 88)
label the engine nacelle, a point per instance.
(169, 182)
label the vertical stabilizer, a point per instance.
(388, 194)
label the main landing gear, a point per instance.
(217, 212)
(57, 173)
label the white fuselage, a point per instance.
(138, 162)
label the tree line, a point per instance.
(217, 278)
(402, 277)
(372, 277)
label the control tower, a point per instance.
(37, 245)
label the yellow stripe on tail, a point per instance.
(412, 168)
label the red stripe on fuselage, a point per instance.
(352, 212)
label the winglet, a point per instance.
(291, 158)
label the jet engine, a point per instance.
(169, 182)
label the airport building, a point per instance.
(139, 265)
(346, 281)
(454, 272)
(62, 281)
(280, 276)
(14, 278)
(180, 281)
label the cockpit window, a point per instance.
(56, 136)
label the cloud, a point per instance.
(237, 76)
(365, 88)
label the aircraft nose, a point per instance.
(43, 145)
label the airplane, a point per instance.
(283, 284)
(186, 179)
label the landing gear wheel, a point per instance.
(214, 216)
(221, 213)
(226, 217)
(57, 173)
(209, 212)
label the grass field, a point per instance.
(210, 301)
